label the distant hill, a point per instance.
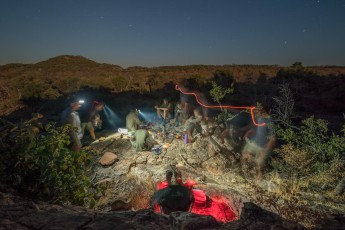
(63, 75)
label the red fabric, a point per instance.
(216, 206)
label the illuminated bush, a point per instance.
(312, 154)
(42, 166)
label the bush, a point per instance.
(312, 154)
(42, 166)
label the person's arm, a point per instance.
(137, 120)
(249, 134)
(195, 119)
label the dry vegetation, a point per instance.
(63, 75)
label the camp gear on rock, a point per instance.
(122, 130)
(156, 150)
(186, 138)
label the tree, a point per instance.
(297, 65)
(218, 92)
(284, 105)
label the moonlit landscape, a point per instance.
(172, 114)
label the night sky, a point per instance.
(174, 32)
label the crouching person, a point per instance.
(142, 140)
(194, 124)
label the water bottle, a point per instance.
(186, 138)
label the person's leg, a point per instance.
(245, 162)
(262, 157)
(75, 142)
(91, 130)
(158, 113)
(168, 175)
(190, 130)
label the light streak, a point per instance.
(250, 108)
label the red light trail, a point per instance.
(251, 108)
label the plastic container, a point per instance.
(186, 138)
(123, 131)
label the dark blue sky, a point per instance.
(174, 32)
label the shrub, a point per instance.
(42, 166)
(312, 154)
(218, 93)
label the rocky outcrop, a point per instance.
(19, 213)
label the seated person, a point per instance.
(175, 197)
(164, 110)
(132, 120)
(142, 140)
(194, 123)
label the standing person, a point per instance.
(132, 120)
(260, 141)
(71, 116)
(92, 119)
(186, 104)
(178, 113)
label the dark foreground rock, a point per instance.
(19, 213)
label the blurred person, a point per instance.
(71, 116)
(92, 119)
(178, 114)
(260, 140)
(203, 100)
(132, 120)
(142, 140)
(194, 124)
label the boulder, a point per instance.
(108, 158)
(186, 220)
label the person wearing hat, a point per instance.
(72, 118)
